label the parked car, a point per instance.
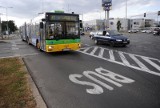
(82, 33)
(132, 31)
(156, 32)
(143, 31)
(148, 31)
(112, 38)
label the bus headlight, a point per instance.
(50, 47)
(79, 45)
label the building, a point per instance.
(126, 24)
(94, 25)
(141, 23)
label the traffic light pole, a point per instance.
(1, 29)
(107, 20)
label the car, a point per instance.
(156, 32)
(148, 31)
(143, 31)
(132, 31)
(111, 37)
(82, 33)
(91, 34)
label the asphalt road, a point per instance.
(98, 76)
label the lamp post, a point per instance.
(6, 17)
(0, 27)
(126, 24)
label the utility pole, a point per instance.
(126, 22)
(105, 21)
(1, 29)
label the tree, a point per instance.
(11, 26)
(118, 25)
(4, 26)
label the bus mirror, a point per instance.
(41, 25)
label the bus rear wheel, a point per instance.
(38, 45)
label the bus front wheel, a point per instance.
(28, 41)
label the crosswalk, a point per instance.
(138, 62)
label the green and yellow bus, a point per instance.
(53, 31)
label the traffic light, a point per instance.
(158, 13)
(81, 24)
(144, 14)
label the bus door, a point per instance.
(42, 36)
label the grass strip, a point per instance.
(14, 87)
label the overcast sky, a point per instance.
(24, 10)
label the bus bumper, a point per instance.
(63, 47)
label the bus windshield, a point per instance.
(62, 30)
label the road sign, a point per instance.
(106, 2)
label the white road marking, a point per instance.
(14, 48)
(133, 54)
(6, 49)
(89, 73)
(10, 56)
(138, 62)
(86, 49)
(101, 52)
(86, 45)
(14, 45)
(112, 59)
(114, 76)
(123, 58)
(103, 74)
(29, 54)
(101, 57)
(111, 55)
(96, 88)
(151, 63)
(94, 50)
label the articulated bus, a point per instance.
(52, 32)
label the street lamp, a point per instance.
(0, 26)
(6, 16)
(126, 24)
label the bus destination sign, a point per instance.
(62, 18)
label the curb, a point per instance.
(40, 103)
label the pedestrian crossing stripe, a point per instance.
(140, 65)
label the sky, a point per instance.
(23, 10)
